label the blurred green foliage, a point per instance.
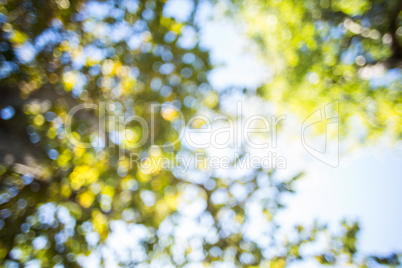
(321, 51)
(59, 202)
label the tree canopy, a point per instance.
(61, 202)
(320, 51)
